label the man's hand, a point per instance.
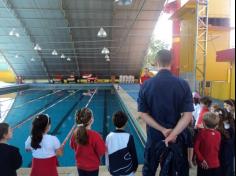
(171, 138)
(166, 132)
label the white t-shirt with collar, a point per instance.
(49, 145)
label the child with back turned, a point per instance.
(10, 157)
(44, 147)
(121, 157)
(88, 145)
(207, 146)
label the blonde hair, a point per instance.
(211, 120)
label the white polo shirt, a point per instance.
(49, 145)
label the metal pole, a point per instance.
(205, 52)
(195, 47)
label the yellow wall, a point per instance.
(220, 90)
(187, 43)
(219, 8)
(218, 39)
(233, 81)
(217, 71)
(7, 76)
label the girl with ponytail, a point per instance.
(88, 145)
(44, 147)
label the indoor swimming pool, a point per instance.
(60, 105)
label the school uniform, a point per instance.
(227, 153)
(121, 156)
(207, 147)
(44, 159)
(10, 160)
(88, 156)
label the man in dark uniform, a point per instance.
(165, 104)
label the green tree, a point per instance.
(155, 46)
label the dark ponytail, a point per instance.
(39, 126)
(83, 117)
(3, 130)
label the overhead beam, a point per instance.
(11, 9)
(87, 11)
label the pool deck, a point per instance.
(72, 171)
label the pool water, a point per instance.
(61, 106)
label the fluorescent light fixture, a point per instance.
(63, 56)
(54, 53)
(16, 56)
(102, 33)
(123, 2)
(105, 51)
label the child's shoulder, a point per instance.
(118, 133)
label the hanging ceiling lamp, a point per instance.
(68, 59)
(105, 51)
(17, 34)
(32, 59)
(107, 57)
(54, 53)
(37, 47)
(14, 33)
(102, 33)
(123, 2)
(63, 56)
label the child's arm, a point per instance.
(132, 150)
(107, 155)
(200, 157)
(72, 141)
(100, 146)
(190, 157)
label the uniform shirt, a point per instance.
(88, 156)
(10, 160)
(121, 157)
(164, 97)
(207, 147)
(49, 145)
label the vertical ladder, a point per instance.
(200, 46)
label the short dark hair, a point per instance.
(206, 101)
(230, 102)
(164, 57)
(3, 130)
(119, 119)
